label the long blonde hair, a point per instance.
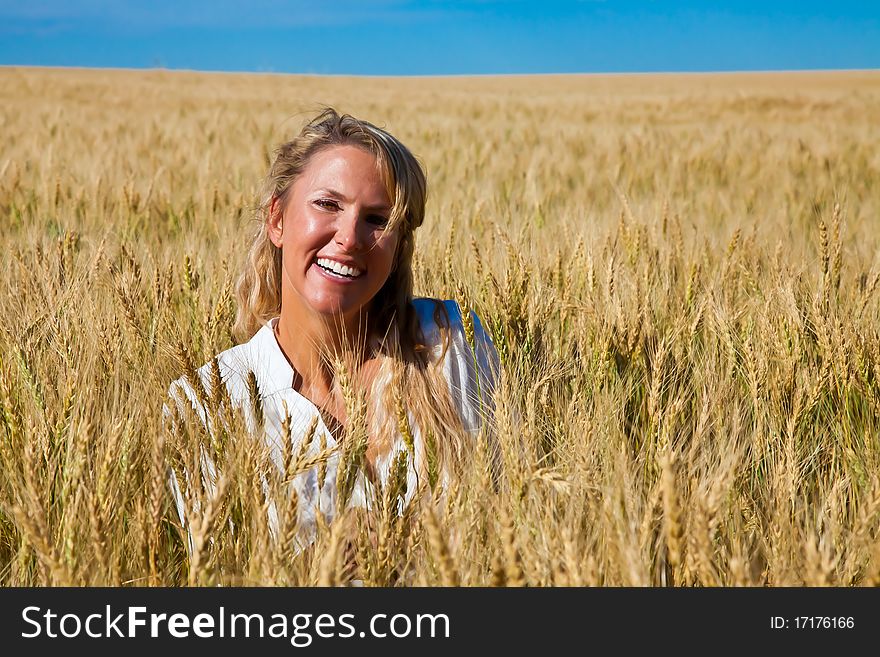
(404, 357)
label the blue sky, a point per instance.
(430, 37)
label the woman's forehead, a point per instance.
(347, 173)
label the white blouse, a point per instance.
(470, 372)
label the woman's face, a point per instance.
(335, 254)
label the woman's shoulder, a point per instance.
(433, 313)
(232, 366)
(469, 359)
(439, 317)
(446, 313)
(464, 331)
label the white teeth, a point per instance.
(339, 268)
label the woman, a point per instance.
(326, 302)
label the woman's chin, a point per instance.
(336, 306)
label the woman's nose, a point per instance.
(348, 232)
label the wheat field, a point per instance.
(679, 271)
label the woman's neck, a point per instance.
(311, 342)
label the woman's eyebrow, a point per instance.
(342, 197)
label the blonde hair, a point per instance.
(404, 357)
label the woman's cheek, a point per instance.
(388, 243)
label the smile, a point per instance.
(339, 270)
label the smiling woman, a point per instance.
(340, 364)
(337, 250)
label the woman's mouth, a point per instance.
(337, 270)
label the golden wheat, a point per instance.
(668, 265)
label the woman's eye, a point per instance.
(377, 219)
(327, 204)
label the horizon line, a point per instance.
(163, 69)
